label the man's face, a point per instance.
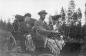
(42, 16)
(27, 18)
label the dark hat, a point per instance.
(42, 12)
(27, 14)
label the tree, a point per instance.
(79, 14)
(85, 10)
(71, 9)
(2, 25)
(5, 26)
(69, 14)
(72, 5)
(74, 16)
(62, 14)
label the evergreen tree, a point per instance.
(3, 25)
(85, 10)
(69, 14)
(79, 14)
(62, 14)
(72, 5)
(75, 16)
(85, 13)
(71, 9)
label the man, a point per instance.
(25, 27)
(41, 30)
(40, 27)
(42, 33)
(18, 31)
(16, 23)
(28, 23)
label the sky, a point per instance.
(9, 8)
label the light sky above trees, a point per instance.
(12, 7)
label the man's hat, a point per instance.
(27, 14)
(42, 12)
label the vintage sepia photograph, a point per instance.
(42, 27)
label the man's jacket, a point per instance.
(40, 33)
